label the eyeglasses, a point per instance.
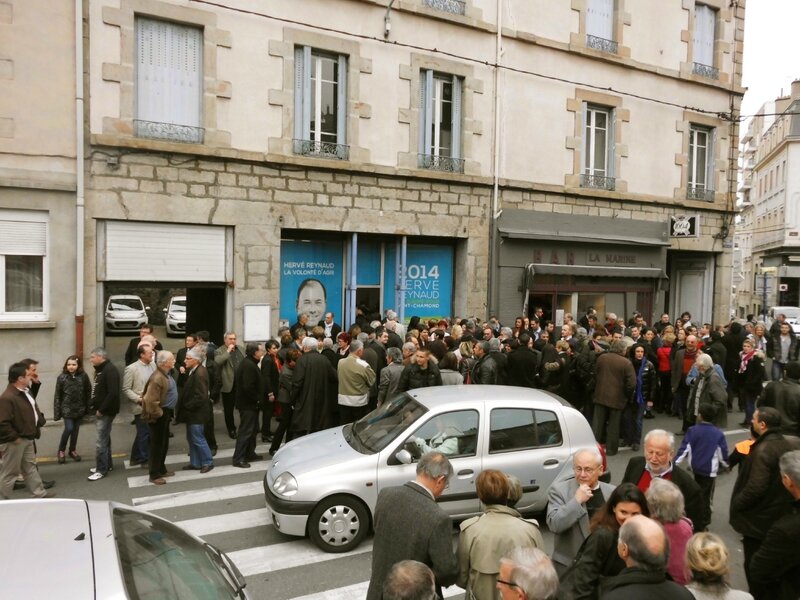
(508, 583)
(587, 470)
(446, 481)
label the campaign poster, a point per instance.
(429, 281)
(311, 280)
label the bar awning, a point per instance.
(595, 271)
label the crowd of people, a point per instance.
(314, 376)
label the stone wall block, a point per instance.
(277, 183)
(176, 189)
(199, 190)
(293, 197)
(304, 185)
(259, 194)
(195, 176)
(151, 186)
(167, 173)
(141, 171)
(248, 181)
(114, 183)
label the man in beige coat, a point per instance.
(484, 540)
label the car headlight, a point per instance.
(285, 484)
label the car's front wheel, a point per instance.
(338, 523)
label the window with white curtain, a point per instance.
(320, 103)
(169, 81)
(598, 147)
(705, 27)
(600, 25)
(700, 178)
(23, 264)
(440, 126)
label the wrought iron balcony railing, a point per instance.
(697, 192)
(457, 7)
(322, 149)
(602, 44)
(441, 163)
(598, 182)
(168, 131)
(706, 71)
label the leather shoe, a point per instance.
(206, 469)
(49, 495)
(158, 481)
(255, 457)
(232, 434)
(47, 484)
(214, 451)
(189, 468)
(242, 465)
(19, 485)
(168, 474)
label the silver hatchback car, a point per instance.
(325, 485)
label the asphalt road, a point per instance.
(226, 507)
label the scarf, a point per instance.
(745, 360)
(640, 381)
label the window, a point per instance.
(523, 429)
(320, 104)
(705, 26)
(440, 130)
(169, 81)
(453, 434)
(23, 257)
(700, 181)
(600, 25)
(457, 7)
(598, 148)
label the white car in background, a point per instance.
(792, 315)
(125, 313)
(65, 549)
(325, 485)
(175, 316)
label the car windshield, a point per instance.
(178, 306)
(160, 560)
(380, 427)
(125, 304)
(791, 312)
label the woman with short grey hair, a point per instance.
(666, 504)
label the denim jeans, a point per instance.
(140, 450)
(103, 445)
(777, 370)
(70, 434)
(199, 452)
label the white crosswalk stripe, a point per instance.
(173, 459)
(188, 498)
(181, 476)
(228, 522)
(275, 557)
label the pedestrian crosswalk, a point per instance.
(226, 507)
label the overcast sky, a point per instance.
(771, 59)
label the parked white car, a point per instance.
(64, 548)
(325, 485)
(175, 316)
(125, 313)
(792, 315)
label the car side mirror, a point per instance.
(404, 456)
(164, 310)
(148, 308)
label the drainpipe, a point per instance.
(491, 292)
(79, 166)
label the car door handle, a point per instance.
(465, 472)
(551, 462)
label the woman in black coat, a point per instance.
(71, 401)
(749, 378)
(645, 395)
(597, 557)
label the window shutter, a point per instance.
(426, 111)
(704, 31)
(169, 73)
(611, 145)
(600, 19)
(341, 100)
(455, 151)
(299, 76)
(710, 154)
(587, 140)
(23, 238)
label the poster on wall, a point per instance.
(311, 279)
(429, 281)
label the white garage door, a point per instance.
(135, 251)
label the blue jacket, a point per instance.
(706, 449)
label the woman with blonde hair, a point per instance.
(707, 567)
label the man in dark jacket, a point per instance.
(131, 354)
(314, 385)
(20, 423)
(193, 408)
(427, 538)
(643, 546)
(707, 388)
(105, 400)
(485, 369)
(523, 364)
(716, 350)
(250, 396)
(775, 568)
(615, 386)
(759, 498)
(422, 373)
(784, 396)
(733, 345)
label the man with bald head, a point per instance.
(644, 548)
(571, 505)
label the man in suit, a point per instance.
(659, 450)
(227, 358)
(571, 505)
(250, 395)
(331, 329)
(194, 408)
(427, 537)
(524, 363)
(390, 375)
(131, 354)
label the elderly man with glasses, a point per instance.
(571, 505)
(527, 574)
(409, 525)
